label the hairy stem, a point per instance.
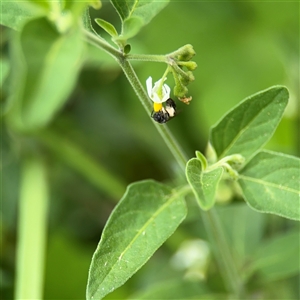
(210, 218)
(145, 57)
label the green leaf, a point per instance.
(43, 84)
(135, 14)
(87, 22)
(146, 216)
(131, 27)
(203, 183)
(277, 258)
(202, 158)
(109, 28)
(270, 184)
(248, 127)
(14, 14)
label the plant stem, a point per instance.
(210, 218)
(101, 43)
(146, 57)
(223, 254)
(31, 230)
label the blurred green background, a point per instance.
(242, 48)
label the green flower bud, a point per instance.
(186, 53)
(180, 90)
(190, 65)
(184, 80)
(190, 75)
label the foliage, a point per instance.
(51, 48)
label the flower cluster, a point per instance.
(178, 60)
(160, 92)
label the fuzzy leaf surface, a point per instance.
(135, 14)
(203, 183)
(270, 183)
(108, 27)
(248, 126)
(145, 217)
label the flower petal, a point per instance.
(156, 97)
(156, 86)
(166, 92)
(149, 86)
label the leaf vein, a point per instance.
(269, 184)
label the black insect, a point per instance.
(161, 116)
(171, 107)
(166, 113)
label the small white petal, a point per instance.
(166, 92)
(156, 85)
(149, 86)
(152, 92)
(156, 99)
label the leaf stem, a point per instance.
(210, 218)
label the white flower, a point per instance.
(154, 93)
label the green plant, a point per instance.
(149, 212)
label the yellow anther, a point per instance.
(157, 106)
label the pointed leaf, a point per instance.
(277, 258)
(108, 27)
(141, 13)
(270, 184)
(248, 127)
(87, 22)
(202, 158)
(203, 183)
(51, 67)
(146, 216)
